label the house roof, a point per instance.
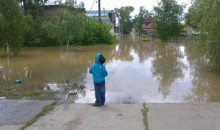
(50, 6)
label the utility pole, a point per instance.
(99, 5)
(104, 14)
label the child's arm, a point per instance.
(90, 70)
(104, 72)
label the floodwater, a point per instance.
(137, 71)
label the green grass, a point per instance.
(145, 119)
(45, 110)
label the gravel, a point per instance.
(16, 112)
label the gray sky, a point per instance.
(111, 4)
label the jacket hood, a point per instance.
(97, 58)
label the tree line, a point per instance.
(204, 17)
(167, 17)
(24, 23)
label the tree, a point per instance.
(72, 27)
(167, 18)
(12, 25)
(68, 26)
(138, 19)
(125, 21)
(78, 29)
(204, 17)
(32, 9)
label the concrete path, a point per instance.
(87, 117)
(161, 116)
(184, 116)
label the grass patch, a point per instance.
(45, 109)
(15, 92)
(145, 119)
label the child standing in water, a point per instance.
(99, 73)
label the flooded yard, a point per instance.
(137, 72)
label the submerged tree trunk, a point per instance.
(67, 45)
(7, 49)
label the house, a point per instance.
(50, 10)
(107, 16)
(147, 27)
(53, 10)
(188, 30)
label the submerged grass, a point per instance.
(33, 94)
(45, 110)
(15, 92)
(145, 119)
(18, 92)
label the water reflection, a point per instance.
(138, 72)
(122, 51)
(167, 66)
(205, 83)
(206, 87)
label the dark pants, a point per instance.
(100, 93)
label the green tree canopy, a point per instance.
(138, 19)
(125, 20)
(167, 18)
(12, 25)
(72, 27)
(204, 17)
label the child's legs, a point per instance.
(97, 94)
(102, 94)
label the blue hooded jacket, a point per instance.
(98, 70)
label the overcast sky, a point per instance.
(111, 4)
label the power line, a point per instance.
(92, 6)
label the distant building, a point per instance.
(188, 30)
(147, 27)
(107, 16)
(53, 10)
(50, 10)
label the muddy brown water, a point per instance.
(137, 71)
